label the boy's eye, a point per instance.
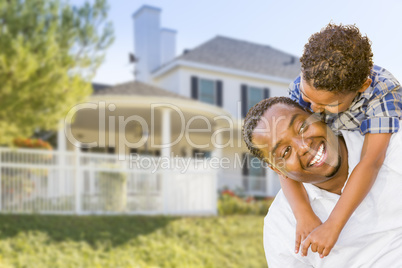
(287, 150)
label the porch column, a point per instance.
(61, 138)
(217, 143)
(59, 181)
(166, 132)
(165, 152)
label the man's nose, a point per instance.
(301, 145)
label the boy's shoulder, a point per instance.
(382, 83)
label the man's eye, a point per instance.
(287, 150)
(302, 127)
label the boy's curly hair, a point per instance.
(338, 59)
(253, 117)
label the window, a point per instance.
(254, 96)
(254, 181)
(199, 154)
(250, 96)
(255, 167)
(207, 90)
(109, 150)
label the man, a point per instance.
(298, 146)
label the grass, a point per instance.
(131, 241)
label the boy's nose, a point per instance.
(317, 108)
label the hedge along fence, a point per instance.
(231, 204)
(113, 191)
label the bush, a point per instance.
(113, 191)
(231, 204)
(32, 143)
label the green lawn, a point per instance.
(131, 241)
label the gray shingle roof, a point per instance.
(242, 55)
(136, 88)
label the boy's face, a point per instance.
(327, 101)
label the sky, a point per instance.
(282, 24)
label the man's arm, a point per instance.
(324, 237)
(298, 199)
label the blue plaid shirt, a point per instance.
(377, 110)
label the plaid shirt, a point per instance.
(377, 110)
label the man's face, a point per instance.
(326, 101)
(297, 144)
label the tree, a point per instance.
(50, 51)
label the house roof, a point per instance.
(136, 88)
(99, 86)
(246, 56)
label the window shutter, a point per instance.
(264, 170)
(194, 87)
(245, 166)
(219, 93)
(266, 93)
(244, 109)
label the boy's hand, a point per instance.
(322, 239)
(304, 227)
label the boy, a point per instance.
(338, 80)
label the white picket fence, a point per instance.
(50, 182)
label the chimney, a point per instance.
(147, 40)
(168, 45)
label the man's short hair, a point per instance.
(253, 117)
(338, 59)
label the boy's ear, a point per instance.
(365, 85)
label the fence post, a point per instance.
(214, 190)
(1, 188)
(165, 190)
(78, 180)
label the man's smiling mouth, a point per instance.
(320, 157)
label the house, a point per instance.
(209, 90)
(169, 138)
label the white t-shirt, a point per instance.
(373, 235)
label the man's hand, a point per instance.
(322, 239)
(304, 227)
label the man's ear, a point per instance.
(278, 172)
(365, 85)
(275, 169)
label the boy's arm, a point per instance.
(324, 237)
(299, 202)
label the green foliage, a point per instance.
(113, 191)
(49, 52)
(231, 204)
(131, 241)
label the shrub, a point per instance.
(113, 191)
(32, 143)
(231, 204)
